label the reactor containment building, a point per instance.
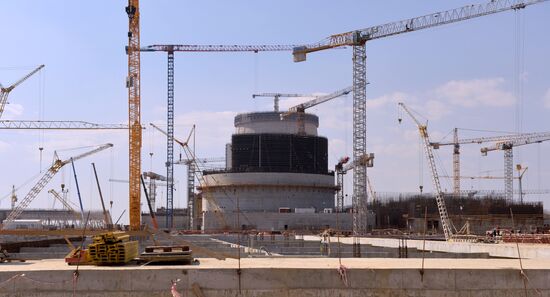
(275, 175)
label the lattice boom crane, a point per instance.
(4, 92)
(44, 180)
(441, 207)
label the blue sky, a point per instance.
(459, 75)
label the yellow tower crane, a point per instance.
(134, 114)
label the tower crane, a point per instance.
(4, 92)
(358, 39)
(277, 96)
(456, 143)
(342, 167)
(441, 207)
(133, 81)
(170, 49)
(44, 180)
(300, 108)
(507, 146)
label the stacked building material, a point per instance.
(167, 255)
(113, 248)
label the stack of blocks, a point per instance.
(113, 248)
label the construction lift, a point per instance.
(4, 92)
(358, 39)
(44, 180)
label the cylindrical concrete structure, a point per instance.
(274, 122)
(273, 167)
(268, 191)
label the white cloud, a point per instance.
(3, 146)
(12, 111)
(546, 99)
(477, 92)
(436, 110)
(392, 98)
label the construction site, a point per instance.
(261, 165)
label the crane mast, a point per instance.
(441, 207)
(44, 180)
(134, 114)
(170, 143)
(358, 39)
(191, 171)
(4, 92)
(456, 163)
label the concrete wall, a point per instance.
(268, 191)
(271, 122)
(269, 221)
(286, 277)
(502, 250)
(180, 221)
